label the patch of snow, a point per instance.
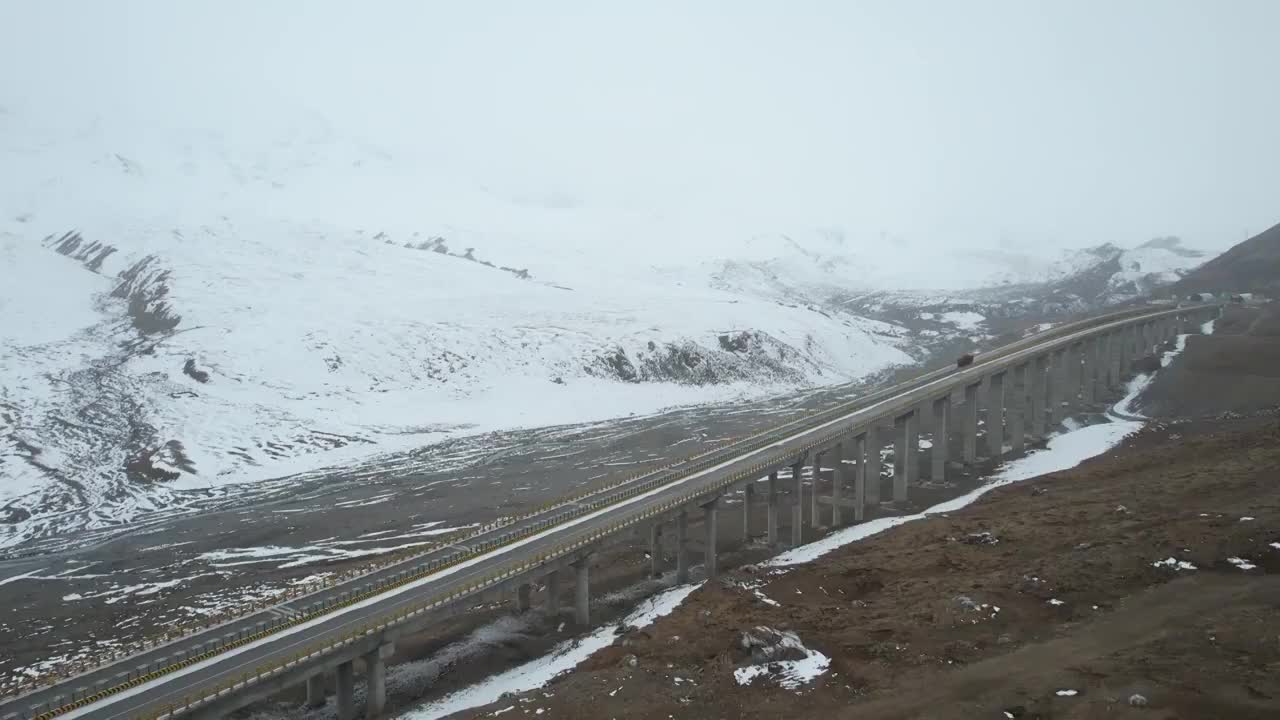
(1247, 518)
(1174, 564)
(963, 319)
(1241, 563)
(1063, 451)
(1207, 328)
(1056, 601)
(789, 674)
(1067, 693)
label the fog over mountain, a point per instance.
(674, 127)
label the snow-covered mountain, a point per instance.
(182, 313)
(182, 317)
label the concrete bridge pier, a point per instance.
(345, 692)
(839, 475)
(860, 477)
(941, 438)
(1039, 369)
(315, 690)
(748, 494)
(919, 416)
(551, 599)
(871, 476)
(682, 547)
(797, 507)
(709, 523)
(1088, 363)
(818, 458)
(904, 453)
(523, 591)
(1114, 345)
(1057, 389)
(582, 591)
(969, 423)
(772, 511)
(655, 549)
(995, 415)
(1017, 408)
(375, 672)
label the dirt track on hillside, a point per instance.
(909, 617)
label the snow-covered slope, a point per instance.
(181, 317)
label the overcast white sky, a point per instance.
(1069, 122)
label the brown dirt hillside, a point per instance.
(1236, 369)
(1251, 266)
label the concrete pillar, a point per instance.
(995, 416)
(871, 479)
(582, 591)
(818, 459)
(1114, 344)
(914, 424)
(1017, 402)
(522, 597)
(682, 547)
(797, 508)
(709, 522)
(375, 675)
(748, 493)
(315, 690)
(903, 457)
(772, 511)
(838, 477)
(1039, 369)
(346, 690)
(860, 477)
(1057, 376)
(655, 549)
(551, 601)
(1088, 362)
(941, 444)
(969, 425)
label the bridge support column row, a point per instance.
(748, 494)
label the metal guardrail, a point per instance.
(688, 467)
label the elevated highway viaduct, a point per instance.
(1022, 390)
